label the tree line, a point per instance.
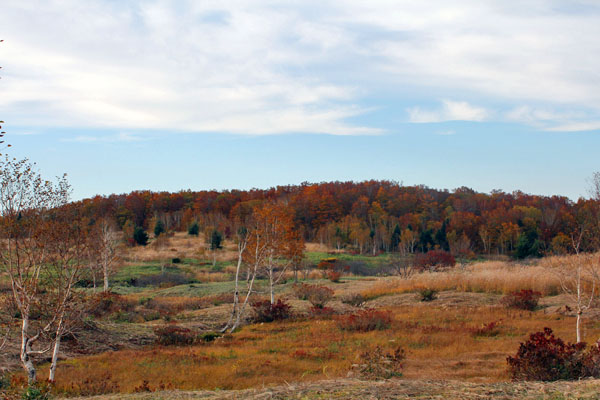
(376, 216)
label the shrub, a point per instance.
(174, 335)
(37, 392)
(267, 312)
(377, 364)
(167, 279)
(524, 299)
(321, 312)
(334, 276)
(434, 259)
(545, 357)
(301, 291)
(427, 294)
(317, 295)
(107, 303)
(355, 299)
(140, 236)
(490, 329)
(366, 320)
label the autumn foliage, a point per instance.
(544, 357)
(374, 216)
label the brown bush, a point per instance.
(366, 320)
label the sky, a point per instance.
(129, 95)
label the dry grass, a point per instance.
(392, 389)
(485, 277)
(439, 341)
(179, 245)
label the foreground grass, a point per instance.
(395, 389)
(439, 341)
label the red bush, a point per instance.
(489, 329)
(524, 299)
(334, 276)
(545, 357)
(434, 259)
(267, 312)
(321, 312)
(366, 320)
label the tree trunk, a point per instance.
(56, 351)
(236, 293)
(578, 326)
(25, 350)
(271, 285)
(105, 271)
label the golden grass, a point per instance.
(438, 339)
(484, 277)
(179, 245)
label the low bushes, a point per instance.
(366, 320)
(524, 299)
(433, 260)
(487, 330)
(427, 294)
(317, 295)
(108, 303)
(167, 279)
(378, 364)
(266, 312)
(545, 357)
(321, 312)
(174, 335)
(355, 299)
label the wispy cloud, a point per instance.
(256, 68)
(450, 111)
(123, 137)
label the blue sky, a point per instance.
(171, 95)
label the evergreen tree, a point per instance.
(194, 229)
(215, 240)
(159, 228)
(140, 236)
(528, 244)
(441, 239)
(395, 240)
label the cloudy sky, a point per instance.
(171, 95)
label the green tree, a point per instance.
(140, 236)
(215, 240)
(194, 229)
(159, 228)
(528, 244)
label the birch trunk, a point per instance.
(25, 350)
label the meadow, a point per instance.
(465, 333)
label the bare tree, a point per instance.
(579, 274)
(67, 251)
(401, 265)
(237, 308)
(104, 249)
(26, 232)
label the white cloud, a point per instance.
(252, 67)
(450, 111)
(446, 133)
(118, 138)
(553, 120)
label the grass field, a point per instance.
(462, 336)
